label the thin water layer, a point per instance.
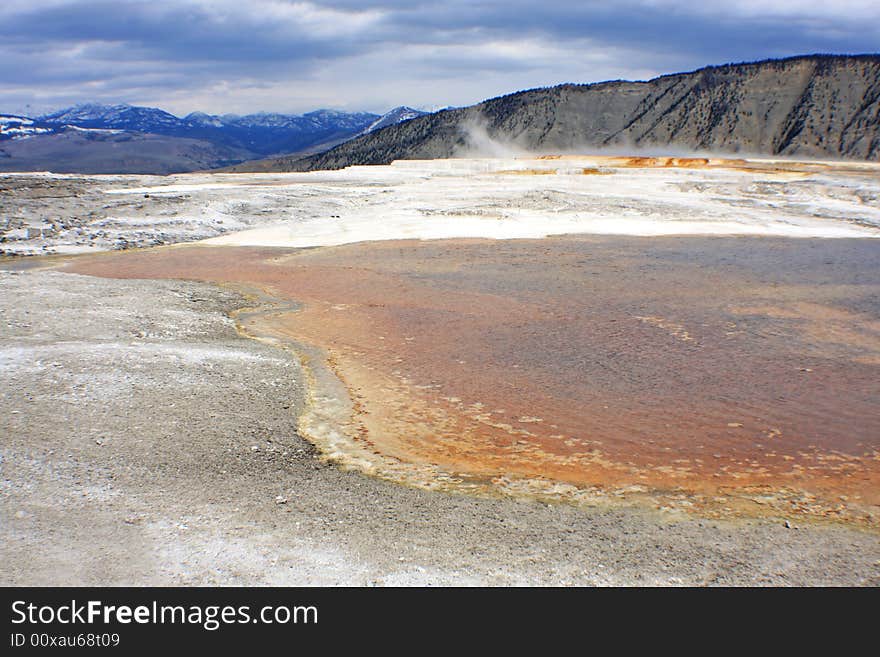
(728, 375)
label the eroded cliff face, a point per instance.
(816, 106)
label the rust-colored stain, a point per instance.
(645, 162)
(527, 172)
(796, 168)
(726, 375)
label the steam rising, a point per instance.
(481, 140)
(478, 143)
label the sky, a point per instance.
(244, 56)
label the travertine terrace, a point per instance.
(46, 213)
(689, 343)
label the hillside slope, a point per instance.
(82, 150)
(392, 117)
(813, 106)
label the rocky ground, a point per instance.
(145, 442)
(42, 214)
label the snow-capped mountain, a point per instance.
(97, 136)
(392, 117)
(345, 120)
(321, 119)
(261, 134)
(261, 120)
(10, 120)
(204, 120)
(20, 127)
(119, 117)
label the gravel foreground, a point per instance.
(143, 442)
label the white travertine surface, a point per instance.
(498, 198)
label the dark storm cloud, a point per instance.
(173, 31)
(65, 50)
(676, 28)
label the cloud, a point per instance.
(225, 55)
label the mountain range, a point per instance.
(814, 106)
(94, 138)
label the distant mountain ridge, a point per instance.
(814, 106)
(393, 117)
(13, 126)
(120, 138)
(260, 134)
(120, 117)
